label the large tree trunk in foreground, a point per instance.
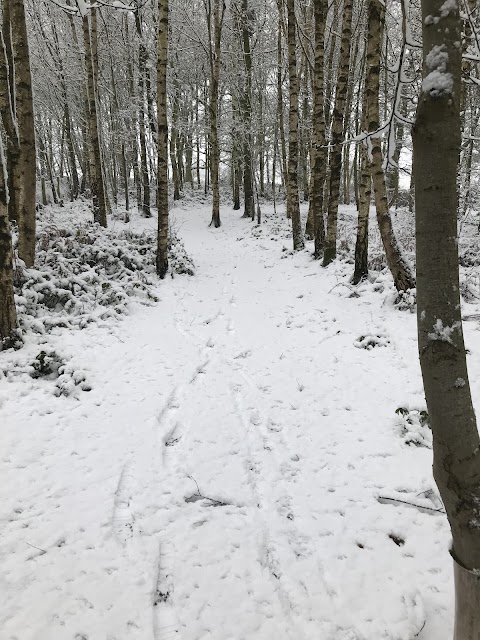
(456, 444)
(24, 177)
(293, 204)
(402, 275)
(162, 170)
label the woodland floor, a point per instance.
(237, 471)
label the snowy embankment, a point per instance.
(243, 462)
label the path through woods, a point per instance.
(237, 471)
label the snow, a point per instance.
(444, 333)
(237, 467)
(437, 82)
(448, 7)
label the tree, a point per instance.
(338, 134)
(8, 314)
(214, 26)
(162, 161)
(293, 204)
(402, 275)
(318, 155)
(246, 109)
(363, 206)
(456, 444)
(97, 184)
(20, 128)
(142, 75)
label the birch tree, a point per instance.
(162, 146)
(8, 315)
(20, 127)
(402, 275)
(215, 17)
(338, 134)
(318, 153)
(97, 184)
(293, 204)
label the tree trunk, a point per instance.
(338, 135)
(24, 178)
(293, 205)
(174, 138)
(363, 201)
(215, 37)
(8, 313)
(7, 98)
(456, 444)
(162, 142)
(361, 245)
(280, 118)
(246, 109)
(261, 143)
(318, 162)
(330, 66)
(402, 275)
(189, 159)
(97, 185)
(142, 71)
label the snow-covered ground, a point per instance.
(238, 470)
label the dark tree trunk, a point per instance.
(456, 444)
(162, 142)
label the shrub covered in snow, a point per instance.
(370, 341)
(414, 427)
(84, 273)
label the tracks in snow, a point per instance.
(155, 499)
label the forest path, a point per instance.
(221, 479)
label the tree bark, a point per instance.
(8, 314)
(361, 244)
(363, 203)
(24, 177)
(318, 152)
(338, 134)
(293, 205)
(97, 184)
(162, 143)
(215, 38)
(246, 109)
(402, 275)
(456, 444)
(142, 71)
(174, 137)
(280, 117)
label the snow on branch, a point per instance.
(84, 6)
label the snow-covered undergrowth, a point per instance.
(84, 273)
